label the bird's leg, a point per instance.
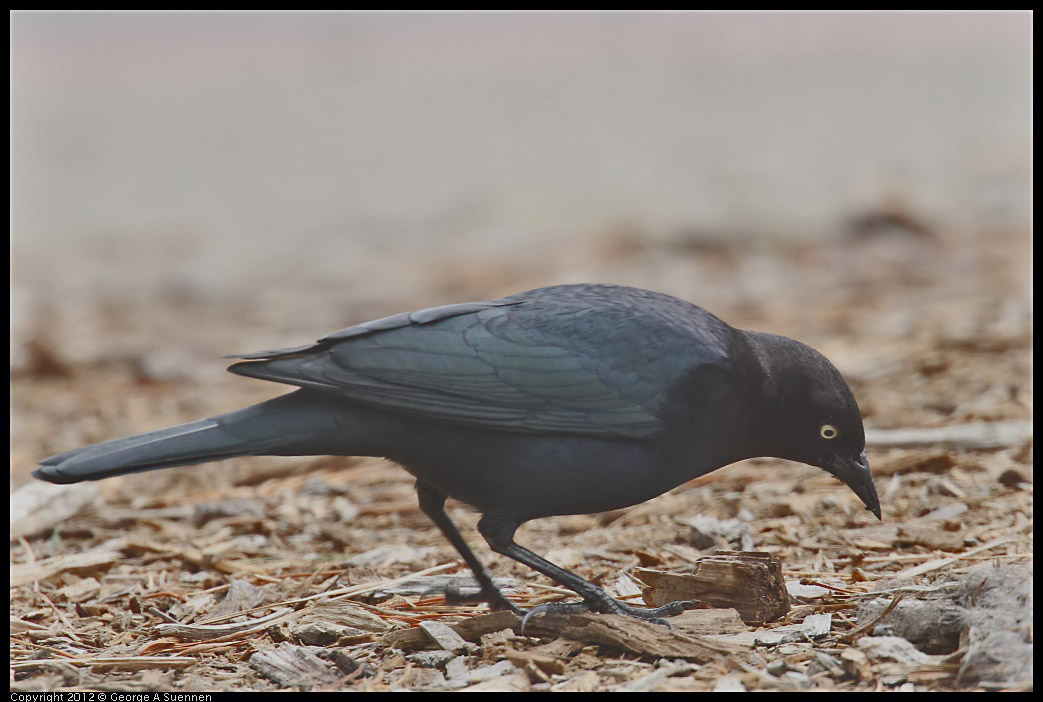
(432, 503)
(499, 533)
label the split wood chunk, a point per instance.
(749, 582)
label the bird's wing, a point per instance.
(519, 366)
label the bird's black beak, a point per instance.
(855, 473)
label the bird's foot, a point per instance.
(454, 596)
(609, 605)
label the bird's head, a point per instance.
(810, 414)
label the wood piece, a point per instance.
(943, 562)
(213, 632)
(864, 629)
(99, 558)
(892, 649)
(648, 683)
(929, 536)
(634, 635)
(551, 665)
(971, 436)
(749, 582)
(338, 594)
(729, 683)
(111, 662)
(471, 629)
(293, 666)
(347, 614)
(80, 591)
(194, 557)
(323, 633)
(777, 635)
(708, 622)
(444, 636)
(513, 682)
(913, 462)
(816, 626)
(856, 664)
(240, 596)
(37, 506)
(20, 626)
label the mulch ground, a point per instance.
(321, 573)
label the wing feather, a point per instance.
(516, 364)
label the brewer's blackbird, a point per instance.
(568, 399)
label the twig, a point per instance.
(126, 663)
(216, 633)
(70, 631)
(859, 631)
(942, 562)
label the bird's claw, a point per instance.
(671, 609)
(555, 608)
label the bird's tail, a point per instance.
(293, 424)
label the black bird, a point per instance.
(568, 399)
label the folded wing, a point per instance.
(531, 366)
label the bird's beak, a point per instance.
(856, 475)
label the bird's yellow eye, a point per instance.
(828, 431)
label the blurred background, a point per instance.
(190, 185)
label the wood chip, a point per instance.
(515, 682)
(240, 596)
(38, 506)
(973, 436)
(80, 591)
(194, 557)
(471, 629)
(708, 622)
(944, 562)
(749, 582)
(913, 462)
(551, 665)
(96, 559)
(929, 536)
(444, 636)
(19, 626)
(855, 663)
(346, 614)
(587, 681)
(129, 663)
(216, 632)
(634, 635)
(729, 683)
(868, 626)
(293, 666)
(816, 626)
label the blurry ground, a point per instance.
(131, 277)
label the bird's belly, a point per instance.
(537, 476)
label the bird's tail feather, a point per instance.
(274, 427)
